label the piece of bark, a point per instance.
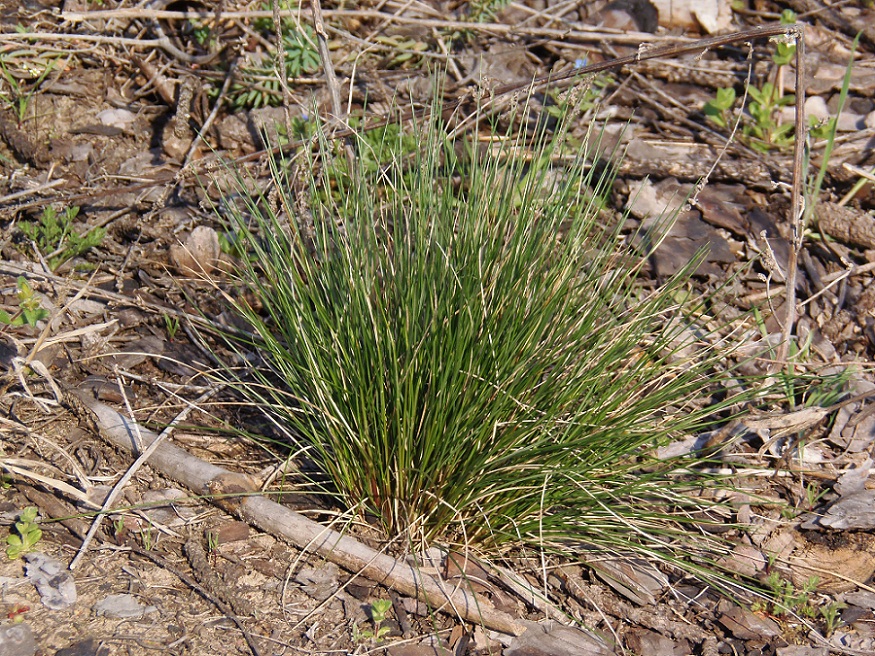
(849, 226)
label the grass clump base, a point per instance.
(468, 353)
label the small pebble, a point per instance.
(53, 581)
(17, 640)
(122, 606)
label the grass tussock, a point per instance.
(468, 352)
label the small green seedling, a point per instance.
(118, 527)
(201, 33)
(171, 324)
(20, 99)
(813, 495)
(379, 609)
(762, 128)
(56, 238)
(146, 537)
(787, 598)
(718, 108)
(29, 310)
(25, 534)
(212, 541)
(764, 131)
(259, 84)
(832, 616)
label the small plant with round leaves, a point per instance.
(24, 535)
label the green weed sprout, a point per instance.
(259, 83)
(171, 325)
(762, 129)
(466, 351)
(718, 108)
(29, 312)
(379, 609)
(24, 535)
(832, 616)
(787, 598)
(20, 99)
(56, 237)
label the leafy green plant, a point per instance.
(468, 357)
(478, 11)
(24, 535)
(762, 129)
(787, 598)
(832, 616)
(378, 611)
(259, 84)
(29, 311)
(57, 239)
(718, 109)
(482, 11)
(201, 32)
(406, 52)
(765, 131)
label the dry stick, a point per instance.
(142, 44)
(796, 207)
(331, 79)
(325, 55)
(579, 32)
(24, 193)
(138, 435)
(280, 63)
(198, 137)
(205, 478)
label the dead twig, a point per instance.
(205, 478)
(325, 55)
(145, 454)
(796, 205)
(207, 124)
(280, 64)
(578, 33)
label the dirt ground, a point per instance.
(117, 109)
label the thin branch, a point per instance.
(796, 205)
(119, 487)
(281, 70)
(579, 33)
(325, 55)
(202, 477)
